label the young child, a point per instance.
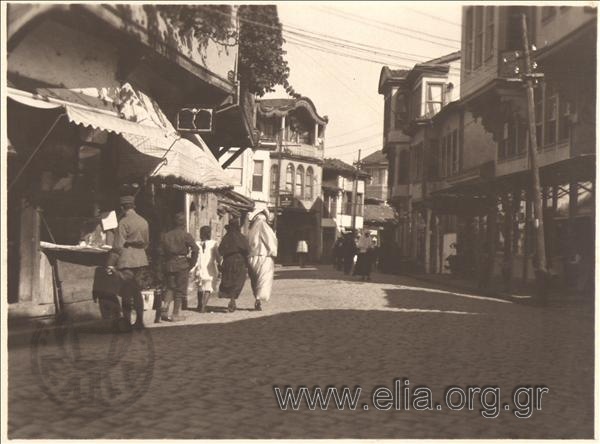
(207, 268)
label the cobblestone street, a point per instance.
(214, 374)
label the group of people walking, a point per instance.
(215, 267)
(354, 255)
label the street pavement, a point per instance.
(213, 375)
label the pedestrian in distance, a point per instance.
(338, 256)
(261, 262)
(128, 259)
(176, 246)
(206, 271)
(302, 252)
(234, 249)
(348, 252)
(363, 262)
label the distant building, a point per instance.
(338, 202)
(292, 136)
(376, 166)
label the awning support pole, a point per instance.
(35, 151)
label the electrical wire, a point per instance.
(390, 27)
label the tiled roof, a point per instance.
(342, 167)
(280, 107)
(376, 157)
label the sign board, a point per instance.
(197, 120)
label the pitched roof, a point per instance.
(342, 167)
(452, 57)
(376, 157)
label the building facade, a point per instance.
(343, 210)
(565, 123)
(284, 172)
(460, 173)
(94, 92)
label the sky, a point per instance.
(345, 88)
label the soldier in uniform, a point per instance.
(175, 247)
(128, 258)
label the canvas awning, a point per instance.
(159, 151)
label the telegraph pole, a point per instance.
(279, 150)
(535, 173)
(355, 192)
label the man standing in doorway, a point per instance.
(128, 257)
(175, 247)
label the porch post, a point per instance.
(426, 255)
(507, 263)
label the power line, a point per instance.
(389, 25)
(393, 31)
(435, 17)
(329, 44)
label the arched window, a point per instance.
(310, 183)
(300, 182)
(289, 178)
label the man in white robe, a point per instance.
(263, 250)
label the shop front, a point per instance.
(72, 161)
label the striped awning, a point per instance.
(160, 152)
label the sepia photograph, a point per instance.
(298, 220)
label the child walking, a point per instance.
(207, 268)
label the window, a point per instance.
(489, 31)
(514, 139)
(503, 144)
(274, 182)
(359, 204)
(300, 182)
(435, 98)
(310, 183)
(347, 203)
(416, 103)
(455, 152)
(257, 175)
(444, 157)
(235, 171)
(564, 119)
(477, 57)
(418, 161)
(468, 39)
(289, 178)
(400, 114)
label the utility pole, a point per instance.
(535, 173)
(355, 192)
(280, 151)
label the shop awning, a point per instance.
(159, 151)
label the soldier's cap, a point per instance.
(126, 200)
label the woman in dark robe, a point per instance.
(234, 251)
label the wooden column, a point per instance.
(527, 240)
(435, 245)
(29, 272)
(491, 235)
(507, 262)
(573, 195)
(426, 253)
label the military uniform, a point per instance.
(128, 256)
(175, 246)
